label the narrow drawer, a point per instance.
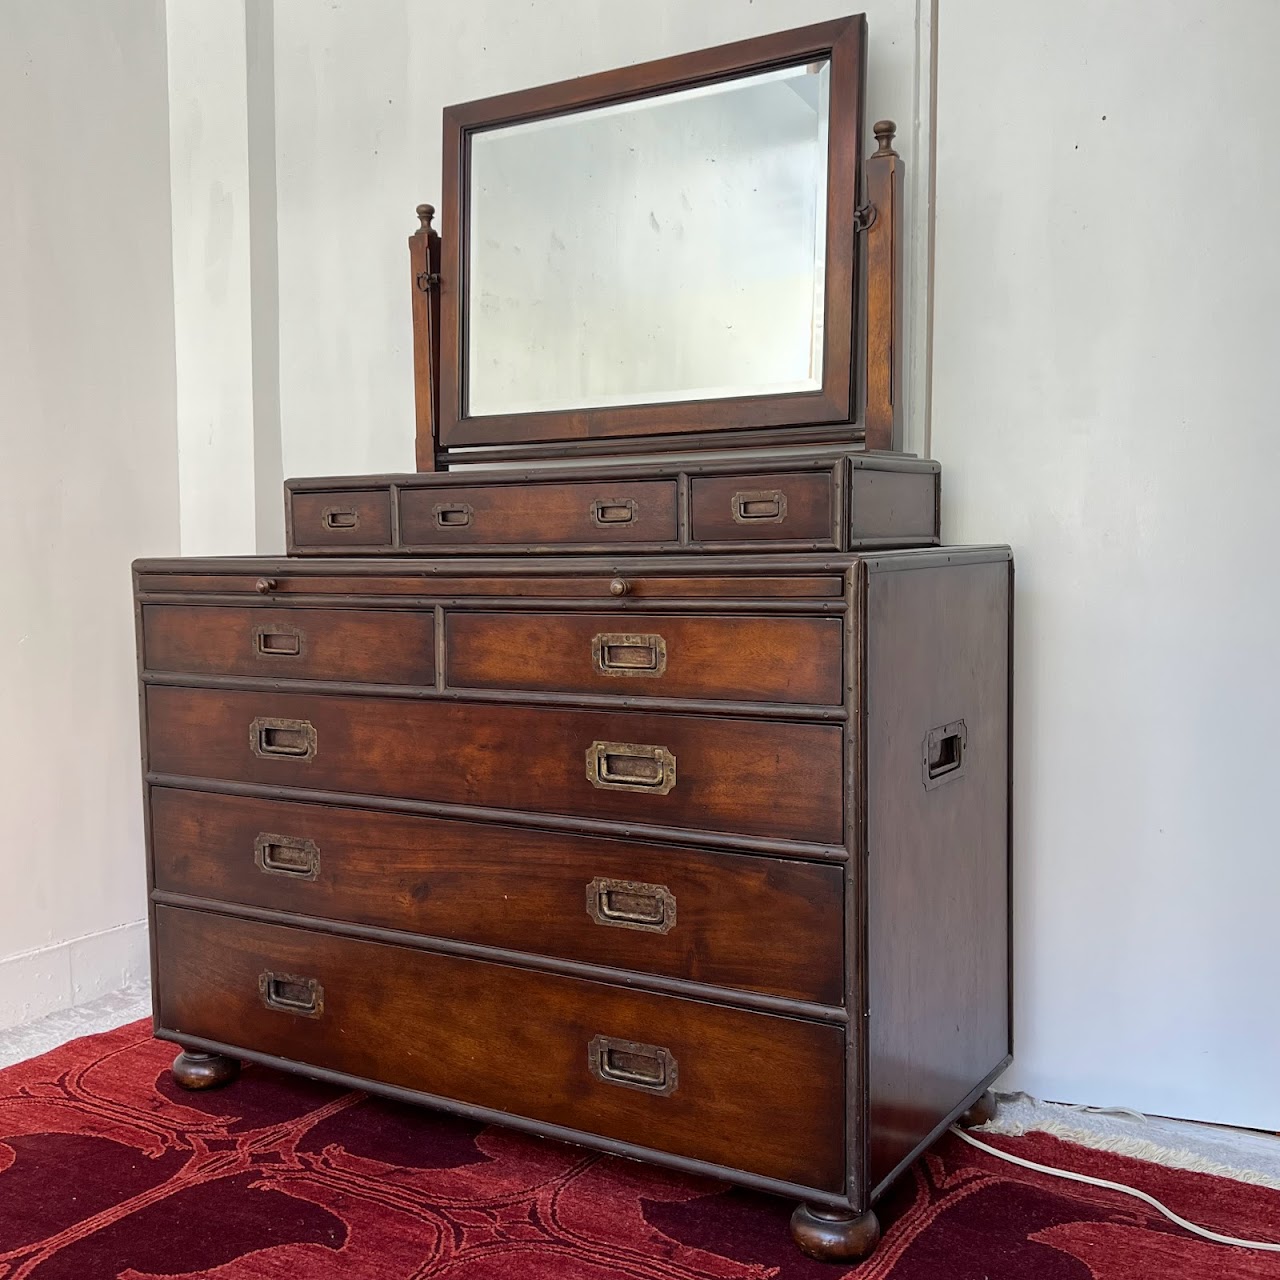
(375, 646)
(342, 519)
(739, 658)
(752, 777)
(748, 1090)
(595, 513)
(731, 920)
(786, 506)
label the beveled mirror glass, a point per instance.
(665, 249)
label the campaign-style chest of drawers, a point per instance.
(636, 771)
(704, 861)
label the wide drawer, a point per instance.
(739, 658)
(732, 920)
(348, 520)
(785, 506)
(747, 776)
(732, 1087)
(377, 646)
(594, 513)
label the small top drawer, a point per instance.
(374, 646)
(596, 513)
(350, 520)
(785, 506)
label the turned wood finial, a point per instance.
(428, 211)
(884, 131)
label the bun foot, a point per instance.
(983, 1111)
(204, 1070)
(834, 1235)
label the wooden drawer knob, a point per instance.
(619, 587)
(264, 585)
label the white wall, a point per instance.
(1105, 390)
(88, 468)
(360, 87)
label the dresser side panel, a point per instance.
(937, 677)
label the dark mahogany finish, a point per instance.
(289, 644)
(703, 1081)
(804, 502)
(702, 915)
(743, 658)
(503, 515)
(844, 42)
(823, 894)
(651, 802)
(195, 1071)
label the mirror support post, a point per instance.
(424, 260)
(884, 292)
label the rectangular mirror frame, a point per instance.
(616, 429)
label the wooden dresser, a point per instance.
(657, 805)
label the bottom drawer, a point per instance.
(732, 1087)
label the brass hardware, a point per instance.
(287, 856)
(452, 515)
(277, 642)
(619, 587)
(631, 904)
(427, 280)
(272, 739)
(286, 994)
(763, 505)
(647, 1067)
(340, 518)
(628, 766)
(613, 510)
(946, 754)
(264, 585)
(615, 654)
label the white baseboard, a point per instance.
(65, 974)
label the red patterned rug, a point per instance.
(107, 1169)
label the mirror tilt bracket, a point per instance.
(880, 218)
(424, 262)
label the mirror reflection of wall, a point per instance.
(669, 248)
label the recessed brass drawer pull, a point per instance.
(616, 654)
(287, 994)
(287, 856)
(630, 766)
(453, 515)
(271, 738)
(341, 518)
(647, 1067)
(945, 754)
(631, 904)
(760, 505)
(613, 510)
(277, 642)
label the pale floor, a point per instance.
(1237, 1153)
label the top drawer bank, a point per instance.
(843, 503)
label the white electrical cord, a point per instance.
(1114, 1186)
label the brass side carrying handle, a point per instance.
(945, 754)
(339, 518)
(647, 1067)
(271, 738)
(452, 515)
(630, 766)
(286, 993)
(277, 642)
(618, 654)
(613, 510)
(287, 856)
(760, 505)
(631, 904)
